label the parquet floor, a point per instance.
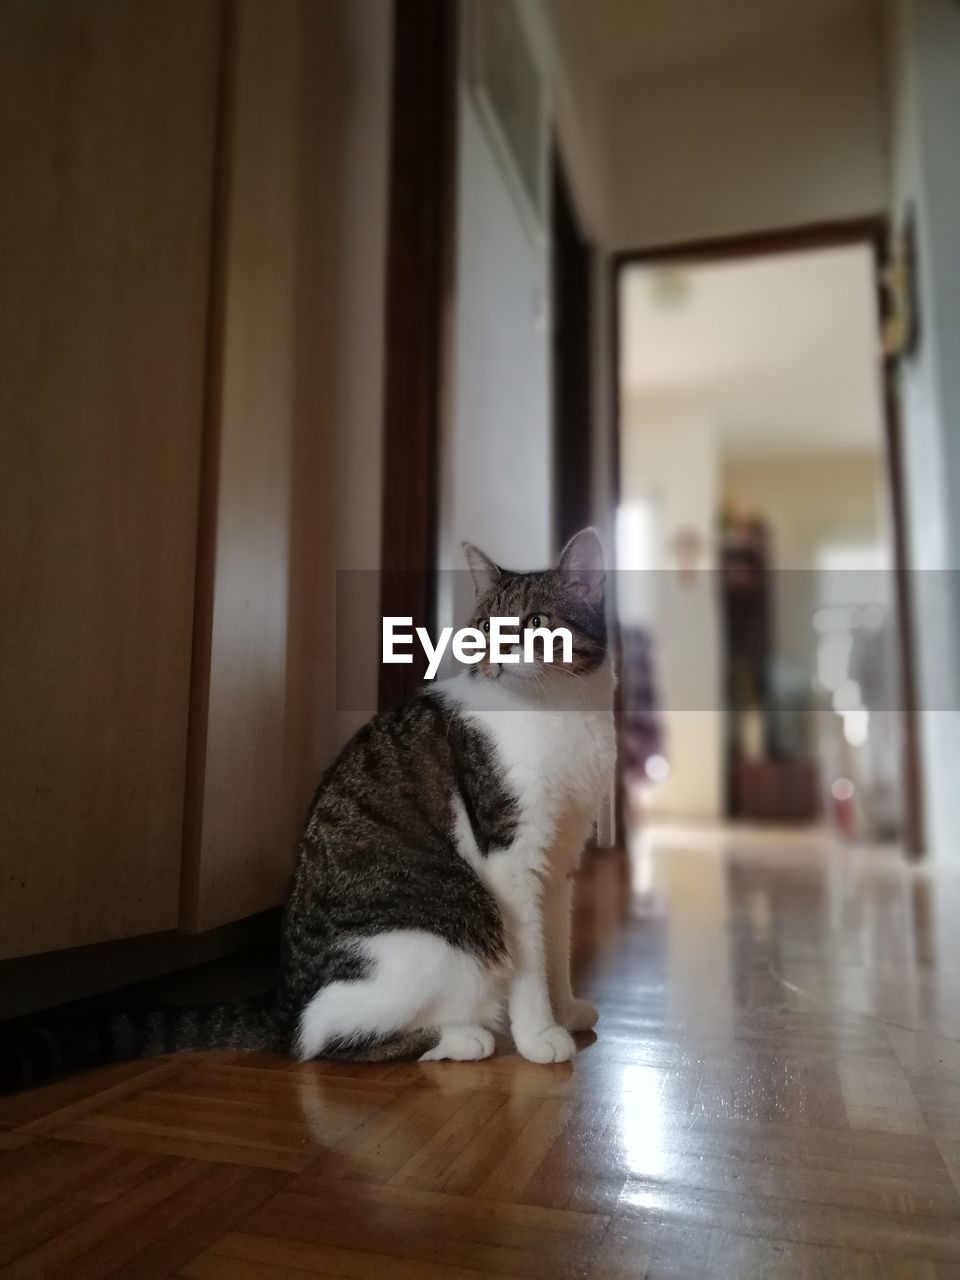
(774, 1090)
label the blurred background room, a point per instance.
(755, 541)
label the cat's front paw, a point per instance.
(581, 1016)
(553, 1044)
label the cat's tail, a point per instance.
(36, 1050)
(400, 1045)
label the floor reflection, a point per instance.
(780, 1032)
(756, 918)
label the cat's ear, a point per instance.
(581, 564)
(485, 572)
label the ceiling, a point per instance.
(632, 36)
(780, 351)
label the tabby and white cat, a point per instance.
(433, 884)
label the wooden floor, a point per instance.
(774, 1091)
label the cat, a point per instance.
(433, 884)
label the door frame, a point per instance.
(571, 356)
(419, 303)
(874, 233)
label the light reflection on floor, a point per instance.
(765, 991)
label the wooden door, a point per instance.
(107, 115)
(263, 716)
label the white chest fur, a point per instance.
(558, 762)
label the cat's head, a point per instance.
(570, 595)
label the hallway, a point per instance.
(774, 1089)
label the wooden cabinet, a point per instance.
(264, 620)
(162, 501)
(104, 258)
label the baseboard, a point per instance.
(29, 983)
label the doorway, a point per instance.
(764, 616)
(570, 361)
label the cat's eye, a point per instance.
(535, 621)
(485, 625)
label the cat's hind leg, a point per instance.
(461, 1044)
(470, 1003)
(420, 996)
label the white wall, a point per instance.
(669, 459)
(579, 108)
(748, 143)
(496, 452)
(812, 500)
(578, 102)
(925, 108)
(496, 457)
(811, 503)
